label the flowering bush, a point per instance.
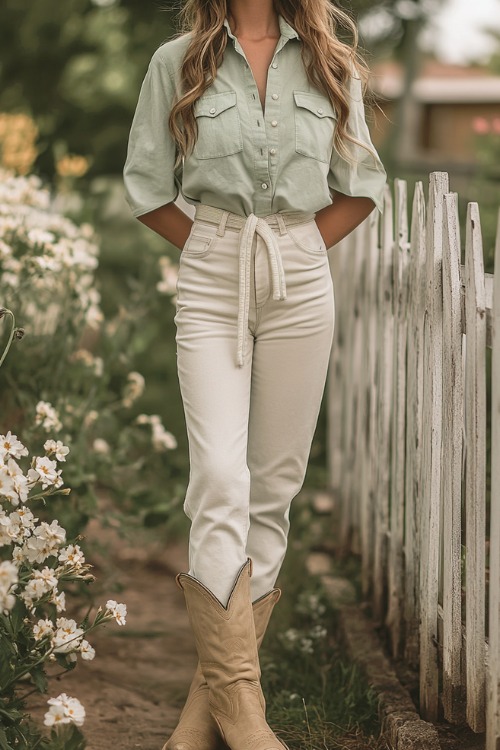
(37, 561)
(47, 262)
(84, 385)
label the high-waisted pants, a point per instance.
(254, 323)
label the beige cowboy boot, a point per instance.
(197, 729)
(227, 648)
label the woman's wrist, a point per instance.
(170, 222)
(340, 218)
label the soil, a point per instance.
(135, 687)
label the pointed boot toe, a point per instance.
(227, 647)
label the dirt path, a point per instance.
(134, 688)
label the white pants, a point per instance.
(255, 319)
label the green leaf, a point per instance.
(39, 678)
(4, 745)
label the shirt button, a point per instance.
(320, 111)
(274, 123)
(264, 186)
(274, 96)
(274, 65)
(212, 110)
(272, 151)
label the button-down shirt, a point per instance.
(246, 160)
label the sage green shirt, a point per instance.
(244, 160)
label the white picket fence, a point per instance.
(407, 422)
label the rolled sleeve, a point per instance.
(366, 178)
(148, 173)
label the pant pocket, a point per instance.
(201, 240)
(308, 238)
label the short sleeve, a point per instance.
(148, 174)
(367, 177)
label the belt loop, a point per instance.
(281, 224)
(222, 224)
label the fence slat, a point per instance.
(351, 362)
(368, 426)
(385, 323)
(453, 413)
(358, 375)
(395, 550)
(475, 459)
(335, 385)
(493, 669)
(413, 489)
(431, 450)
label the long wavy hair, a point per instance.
(328, 61)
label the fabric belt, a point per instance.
(250, 226)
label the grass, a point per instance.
(316, 698)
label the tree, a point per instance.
(76, 67)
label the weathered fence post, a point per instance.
(431, 450)
(493, 666)
(453, 411)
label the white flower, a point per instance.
(52, 532)
(67, 637)
(35, 549)
(290, 635)
(90, 417)
(64, 710)
(7, 488)
(15, 527)
(162, 439)
(10, 445)
(318, 632)
(45, 540)
(47, 416)
(72, 556)
(119, 611)
(133, 389)
(86, 650)
(59, 599)
(18, 556)
(8, 584)
(143, 419)
(19, 481)
(101, 446)
(57, 448)
(47, 471)
(40, 584)
(89, 360)
(10, 529)
(42, 629)
(25, 518)
(39, 237)
(306, 646)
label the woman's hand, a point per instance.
(170, 223)
(340, 218)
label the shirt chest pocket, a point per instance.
(315, 122)
(219, 127)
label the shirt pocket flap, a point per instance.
(213, 104)
(318, 105)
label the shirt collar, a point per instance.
(285, 29)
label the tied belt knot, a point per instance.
(250, 226)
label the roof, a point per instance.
(438, 82)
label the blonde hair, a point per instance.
(328, 61)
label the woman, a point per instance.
(254, 112)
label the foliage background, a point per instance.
(75, 68)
